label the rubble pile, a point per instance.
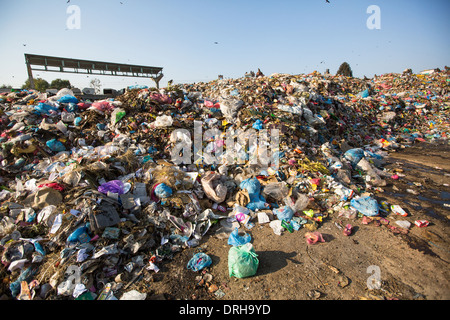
(92, 199)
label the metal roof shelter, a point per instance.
(67, 65)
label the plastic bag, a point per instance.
(80, 235)
(84, 105)
(68, 99)
(301, 203)
(64, 92)
(311, 118)
(199, 261)
(71, 107)
(162, 121)
(291, 109)
(67, 117)
(103, 106)
(161, 98)
(258, 125)
(236, 240)
(284, 213)
(314, 237)
(54, 185)
(113, 186)
(133, 295)
(253, 188)
(43, 108)
(364, 94)
(163, 191)
(55, 145)
(276, 190)
(354, 156)
(367, 206)
(214, 190)
(117, 115)
(242, 261)
(229, 108)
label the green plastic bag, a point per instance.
(242, 261)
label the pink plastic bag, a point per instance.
(161, 98)
(103, 106)
(83, 105)
(314, 237)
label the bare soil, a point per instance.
(412, 266)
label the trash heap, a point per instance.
(91, 201)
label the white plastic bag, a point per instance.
(133, 295)
(162, 121)
(229, 108)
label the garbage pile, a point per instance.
(92, 201)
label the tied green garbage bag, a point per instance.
(242, 261)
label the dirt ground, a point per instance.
(412, 266)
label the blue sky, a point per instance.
(285, 36)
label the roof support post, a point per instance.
(30, 74)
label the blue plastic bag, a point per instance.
(236, 240)
(354, 156)
(364, 94)
(55, 145)
(72, 107)
(258, 125)
(367, 206)
(374, 155)
(284, 213)
(25, 275)
(163, 191)
(253, 188)
(137, 86)
(77, 121)
(38, 248)
(68, 99)
(43, 108)
(199, 261)
(80, 234)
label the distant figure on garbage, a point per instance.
(259, 73)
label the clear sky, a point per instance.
(285, 36)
